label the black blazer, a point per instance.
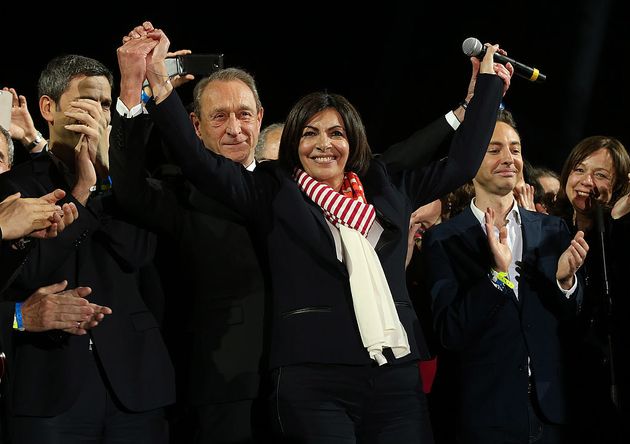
(213, 278)
(102, 251)
(312, 315)
(492, 333)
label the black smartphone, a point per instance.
(197, 64)
(201, 63)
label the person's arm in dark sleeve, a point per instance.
(149, 203)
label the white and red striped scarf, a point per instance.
(349, 208)
(374, 309)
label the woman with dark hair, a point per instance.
(594, 178)
(330, 223)
(597, 167)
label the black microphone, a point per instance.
(599, 215)
(601, 231)
(473, 48)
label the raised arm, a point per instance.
(422, 146)
(470, 141)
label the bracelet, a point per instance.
(501, 279)
(463, 104)
(144, 97)
(18, 322)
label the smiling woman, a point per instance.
(595, 179)
(595, 171)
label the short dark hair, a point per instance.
(457, 200)
(360, 154)
(506, 117)
(59, 72)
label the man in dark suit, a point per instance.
(113, 383)
(499, 303)
(208, 251)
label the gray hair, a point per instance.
(10, 148)
(225, 75)
(262, 138)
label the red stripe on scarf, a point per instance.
(350, 208)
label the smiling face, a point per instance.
(229, 122)
(592, 176)
(500, 168)
(324, 148)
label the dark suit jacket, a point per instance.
(491, 332)
(102, 251)
(213, 277)
(312, 315)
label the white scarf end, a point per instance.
(378, 357)
(398, 352)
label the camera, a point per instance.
(197, 64)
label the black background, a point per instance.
(400, 63)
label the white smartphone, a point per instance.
(6, 100)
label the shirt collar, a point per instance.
(513, 214)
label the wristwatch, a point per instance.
(35, 142)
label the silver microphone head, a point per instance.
(472, 47)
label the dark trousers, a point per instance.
(543, 432)
(326, 403)
(537, 431)
(236, 422)
(95, 418)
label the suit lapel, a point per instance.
(390, 205)
(531, 228)
(305, 220)
(472, 233)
